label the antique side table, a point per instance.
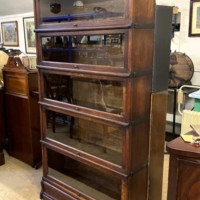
(184, 170)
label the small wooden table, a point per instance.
(2, 160)
(184, 170)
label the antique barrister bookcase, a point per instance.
(95, 69)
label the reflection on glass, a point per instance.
(102, 141)
(84, 178)
(71, 10)
(85, 49)
(103, 95)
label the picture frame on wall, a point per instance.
(194, 21)
(29, 35)
(10, 33)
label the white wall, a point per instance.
(19, 19)
(185, 44)
(181, 42)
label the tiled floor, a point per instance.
(19, 181)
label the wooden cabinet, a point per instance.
(184, 170)
(95, 74)
(2, 126)
(22, 113)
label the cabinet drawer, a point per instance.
(16, 84)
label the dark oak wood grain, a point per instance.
(158, 116)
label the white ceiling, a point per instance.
(8, 7)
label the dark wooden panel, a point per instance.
(2, 133)
(18, 128)
(189, 182)
(22, 115)
(157, 128)
(162, 41)
(16, 84)
(138, 185)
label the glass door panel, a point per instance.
(88, 180)
(102, 95)
(73, 10)
(102, 141)
(105, 49)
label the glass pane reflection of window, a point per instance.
(106, 50)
